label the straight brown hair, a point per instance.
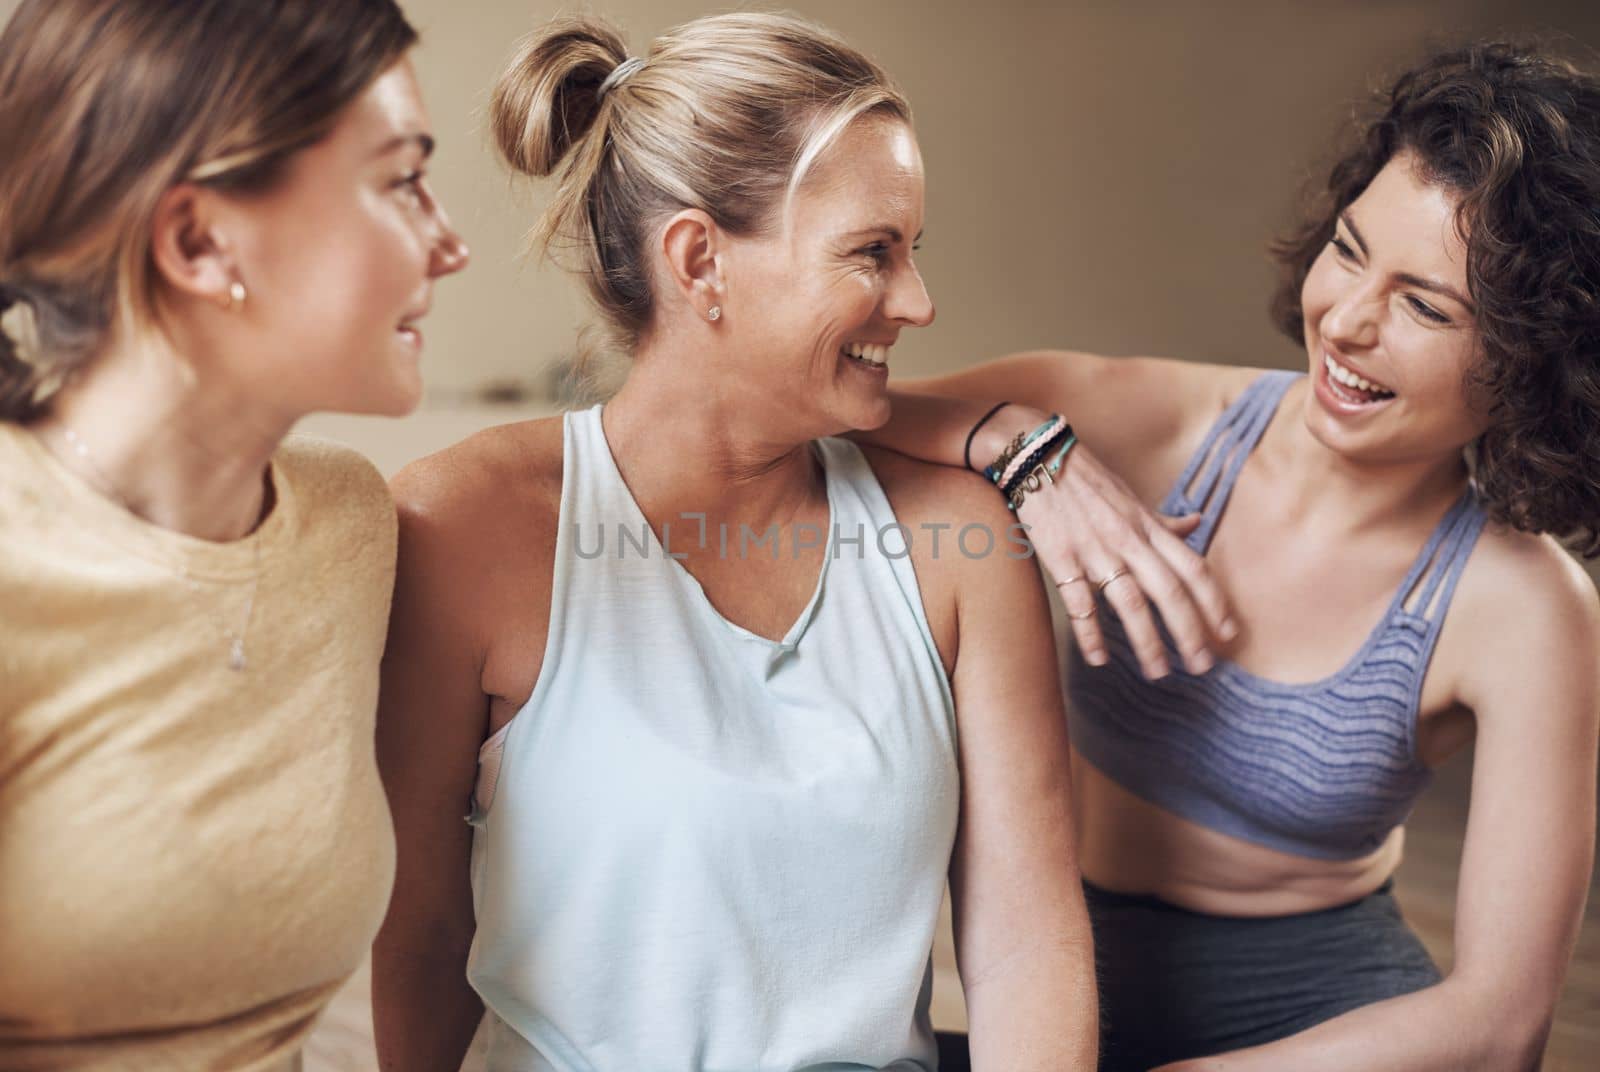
(107, 104)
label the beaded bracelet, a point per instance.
(1041, 474)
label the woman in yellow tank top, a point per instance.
(213, 220)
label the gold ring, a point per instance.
(1070, 580)
(1085, 616)
(1120, 571)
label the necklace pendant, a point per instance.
(236, 659)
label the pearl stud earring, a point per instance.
(236, 296)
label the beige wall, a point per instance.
(1101, 175)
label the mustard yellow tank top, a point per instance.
(193, 858)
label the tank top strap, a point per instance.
(598, 490)
(1208, 480)
(1429, 587)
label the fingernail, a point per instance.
(1158, 671)
(1230, 629)
(1200, 663)
(1096, 658)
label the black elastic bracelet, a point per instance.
(966, 451)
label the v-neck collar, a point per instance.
(792, 636)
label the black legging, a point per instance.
(953, 1055)
(1176, 984)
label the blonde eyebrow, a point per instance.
(892, 232)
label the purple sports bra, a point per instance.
(1325, 769)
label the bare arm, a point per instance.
(1126, 407)
(431, 721)
(1089, 524)
(1023, 944)
(1525, 872)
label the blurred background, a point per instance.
(1101, 176)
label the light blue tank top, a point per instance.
(1325, 769)
(703, 849)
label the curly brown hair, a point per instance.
(1515, 132)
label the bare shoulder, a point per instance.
(964, 544)
(1531, 581)
(962, 509)
(920, 491)
(476, 513)
(1525, 609)
(510, 466)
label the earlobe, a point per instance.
(714, 288)
(190, 252)
(692, 245)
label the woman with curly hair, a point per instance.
(1384, 528)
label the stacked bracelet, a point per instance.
(1022, 444)
(1044, 438)
(1041, 474)
(993, 470)
(1031, 460)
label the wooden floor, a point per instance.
(343, 1042)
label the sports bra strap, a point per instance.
(1440, 565)
(1226, 448)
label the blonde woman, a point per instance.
(213, 220)
(727, 713)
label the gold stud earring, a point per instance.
(714, 313)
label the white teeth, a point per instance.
(871, 353)
(1343, 375)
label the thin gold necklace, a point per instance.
(237, 657)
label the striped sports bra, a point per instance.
(1325, 769)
